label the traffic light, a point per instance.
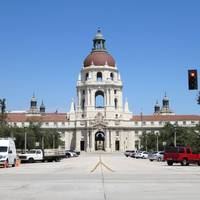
(192, 79)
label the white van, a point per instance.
(8, 154)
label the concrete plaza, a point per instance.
(72, 179)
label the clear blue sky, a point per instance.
(43, 45)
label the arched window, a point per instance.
(99, 99)
(111, 76)
(116, 103)
(86, 76)
(99, 76)
(83, 104)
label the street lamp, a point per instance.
(175, 133)
(157, 142)
(25, 139)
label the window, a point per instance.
(99, 76)
(136, 123)
(115, 91)
(83, 92)
(184, 122)
(111, 76)
(181, 150)
(46, 123)
(83, 104)
(99, 99)
(86, 76)
(152, 123)
(116, 103)
(188, 150)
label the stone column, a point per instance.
(107, 141)
(78, 135)
(67, 146)
(92, 142)
(121, 136)
(88, 141)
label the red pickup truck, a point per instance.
(183, 155)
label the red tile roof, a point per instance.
(61, 117)
(47, 117)
(166, 118)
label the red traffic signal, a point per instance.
(192, 79)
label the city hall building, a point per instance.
(99, 119)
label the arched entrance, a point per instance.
(99, 141)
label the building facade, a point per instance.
(100, 120)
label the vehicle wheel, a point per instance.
(170, 163)
(31, 160)
(159, 159)
(198, 163)
(126, 156)
(184, 162)
(151, 160)
(13, 165)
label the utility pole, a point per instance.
(157, 147)
(25, 141)
(53, 141)
(175, 136)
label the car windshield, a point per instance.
(32, 151)
(171, 149)
(3, 149)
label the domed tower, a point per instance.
(99, 88)
(165, 107)
(42, 108)
(33, 105)
(156, 108)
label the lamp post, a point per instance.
(157, 142)
(25, 139)
(175, 134)
(175, 137)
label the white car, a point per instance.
(144, 155)
(8, 155)
(141, 154)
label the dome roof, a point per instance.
(99, 55)
(99, 58)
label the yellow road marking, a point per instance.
(101, 164)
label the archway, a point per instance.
(99, 141)
(99, 99)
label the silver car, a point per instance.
(158, 156)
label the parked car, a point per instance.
(144, 155)
(42, 155)
(158, 156)
(129, 153)
(71, 153)
(8, 154)
(137, 154)
(182, 155)
(141, 154)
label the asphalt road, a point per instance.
(113, 177)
